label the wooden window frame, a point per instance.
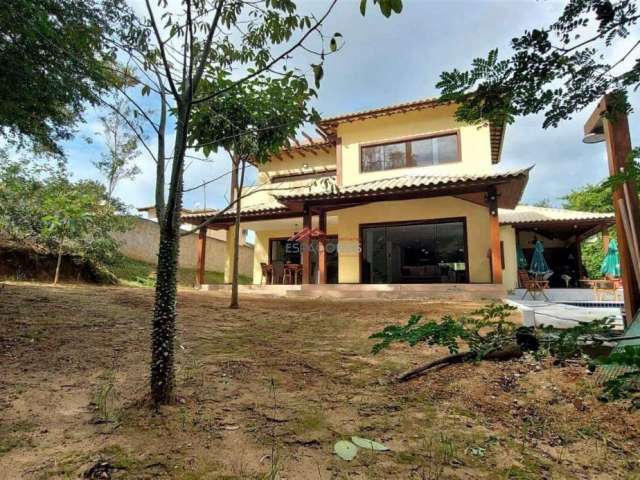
(407, 141)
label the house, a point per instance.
(402, 194)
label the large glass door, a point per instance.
(430, 252)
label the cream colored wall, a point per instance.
(477, 218)
(510, 271)
(349, 220)
(474, 143)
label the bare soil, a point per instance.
(266, 391)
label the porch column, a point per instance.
(230, 248)
(322, 248)
(494, 236)
(201, 249)
(306, 245)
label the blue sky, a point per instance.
(386, 61)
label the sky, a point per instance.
(390, 60)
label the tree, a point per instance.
(118, 163)
(272, 109)
(42, 94)
(39, 204)
(172, 53)
(557, 70)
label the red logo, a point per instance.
(306, 233)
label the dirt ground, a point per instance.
(266, 391)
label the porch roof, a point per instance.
(530, 215)
(282, 200)
(510, 185)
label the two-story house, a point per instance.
(396, 195)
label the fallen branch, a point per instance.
(507, 353)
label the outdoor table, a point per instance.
(291, 273)
(602, 286)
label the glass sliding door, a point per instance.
(429, 252)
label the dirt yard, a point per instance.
(266, 391)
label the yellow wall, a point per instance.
(510, 272)
(474, 141)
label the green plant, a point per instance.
(628, 382)
(564, 344)
(105, 398)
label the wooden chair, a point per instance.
(267, 272)
(532, 286)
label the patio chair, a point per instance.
(532, 286)
(267, 272)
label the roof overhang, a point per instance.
(509, 186)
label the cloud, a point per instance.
(386, 61)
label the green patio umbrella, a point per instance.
(538, 263)
(611, 264)
(522, 260)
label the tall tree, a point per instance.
(118, 162)
(271, 109)
(556, 70)
(42, 94)
(173, 53)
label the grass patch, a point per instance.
(135, 273)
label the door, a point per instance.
(417, 252)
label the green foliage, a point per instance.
(255, 119)
(564, 344)
(118, 162)
(556, 70)
(497, 331)
(41, 205)
(627, 383)
(387, 7)
(54, 63)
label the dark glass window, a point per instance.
(415, 153)
(414, 253)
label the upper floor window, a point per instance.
(421, 152)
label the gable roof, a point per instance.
(330, 125)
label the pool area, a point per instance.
(566, 308)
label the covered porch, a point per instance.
(407, 230)
(562, 233)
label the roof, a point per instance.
(329, 125)
(527, 214)
(411, 184)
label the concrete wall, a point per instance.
(141, 243)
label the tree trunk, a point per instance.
(56, 277)
(162, 378)
(236, 251)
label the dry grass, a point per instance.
(266, 391)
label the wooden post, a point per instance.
(579, 259)
(339, 161)
(201, 248)
(322, 248)
(494, 236)
(618, 140)
(618, 150)
(306, 245)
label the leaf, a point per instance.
(333, 45)
(318, 73)
(363, 7)
(369, 444)
(146, 90)
(396, 5)
(345, 450)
